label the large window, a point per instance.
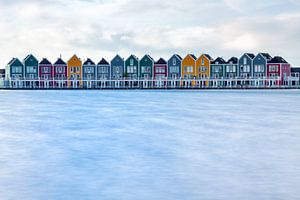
(188, 69)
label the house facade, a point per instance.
(217, 68)
(231, 68)
(89, 74)
(246, 65)
(146, 67)
(132, 67)
(31, 68)
(188, 67)
(103, 70)
(60, 73)
(278, 70)
(117, 68)
(260, 65)
(14, 72)
(74, 72)
(174, 67)
(203, 66)
(46, 73)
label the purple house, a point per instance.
(46, 73)
(60, 73)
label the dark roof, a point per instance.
(45, 62)
(266, 55)
(147, 55)
(11, 61)
(251, 55)
(209, 57)
(28, 56)
(103, 62)
(88, 61)
(161, 61)
(60, 62)
(234, 60)
(14, 61)
(193, 56)
(136, 58)
(118, 57)
(277, 59)
(295, 69)
(178, 56)
(218, 60)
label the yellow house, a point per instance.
(188, 66)
(74, 72)
(203, 68)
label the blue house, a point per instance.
(174, 67)
(31, 65)
(246, 65)
(231, 68)
(260, 65)
(132, 67)
(146, 67)
(103, 70)
(89, 73)
(14, 72)
(217, 68)
(117, 68)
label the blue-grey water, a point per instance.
(150, 145)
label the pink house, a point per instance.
(45, 73)
(279, 69)
(160, 69)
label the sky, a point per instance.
(104, 28)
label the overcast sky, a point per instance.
(103, 28)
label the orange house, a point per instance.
(188, 66)
(203, 66)
(74, 72)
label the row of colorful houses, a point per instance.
(248, 66)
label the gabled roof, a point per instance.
(209, 57)
(250, 55)
(45, 62)
(11, 61)
(277, 59)
(60, 62)
(132, 56)
(74, 56)
(14, 61)
(233, 60)
(117, 57)
(88, 61)
(161, 61)
(193, 56)
(266, 56)
(148, 56)
(103, 62)
(218, 60)
(29, 56)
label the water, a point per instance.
(150, 145)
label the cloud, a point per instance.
(102, 28)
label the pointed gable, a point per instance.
(103, 62)
(149, 57)
(30, 60)
(208, 57)
(250, 55)
(218, 60)
(266, 56)
(45, 61)
(60, 62)
(15, 62)
(88, 62)
(74, 61)
(233, 60)
(161, 61)
(278, 60)
(117, 58)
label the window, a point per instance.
(245, 61)
(203, 69)
(202, 61)
(131, 62)
(78, 69)
(188, 69)
(174, 61)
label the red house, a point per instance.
(60, 73)
(46, 73)
(160, 72)
(279, 70)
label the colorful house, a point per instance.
(60, 75)
(103, 70)
(217, 68)
(260, 65)
(246, 65)
(46, 73)
(15, 72)
(117, 68)
(279, 70)
(160, 72)
(131, 67)
(74, 72)
(188, 67)
(231, 68)
(146, 67)
(31, 65)
(174, 67)
(89, 74)
(203, 66)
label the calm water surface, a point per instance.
(150, 145)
